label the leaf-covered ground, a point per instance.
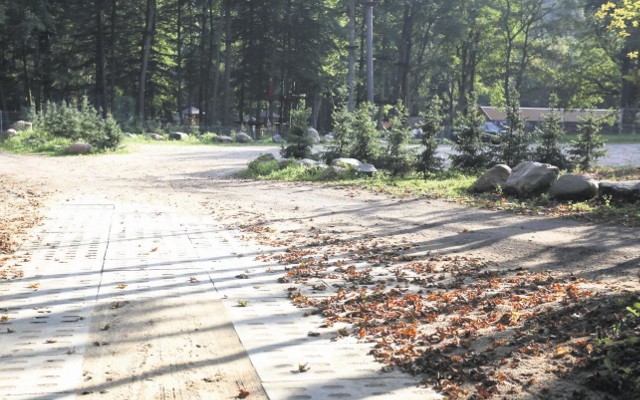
(468, 326)
(20, 206)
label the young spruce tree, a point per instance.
(299, 142)
(342, 134)
(398, 159)
(470, 152)
(550, 132)
(428, 161)
(590, 144)
(514, 147)
(366, 145)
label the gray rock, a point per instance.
(621, 191)
(223, 139)
(308, 161)
(8, 134)
(531, 177)
(574, 187)
(328, 137)
(22, 126)
(496, 176)
(79, 148)
(178, 136)
(333, 172)
(365, 169)
(345, 163)
(130, 135)
(314, 135)
(155, 136)
(242, 137)
(276, 138)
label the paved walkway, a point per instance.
(162, 288)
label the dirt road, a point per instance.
(193, 181)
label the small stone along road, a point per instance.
(139, 283)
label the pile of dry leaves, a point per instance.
(471, 328)
(20, 206)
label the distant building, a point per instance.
(534, 115)
(191, 115)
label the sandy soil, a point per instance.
(195, 179)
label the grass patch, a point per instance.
(609, 139)
(454, 186)
(37, 142)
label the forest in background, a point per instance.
(148, 60)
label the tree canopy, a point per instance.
(232, 61)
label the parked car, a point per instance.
(493, 132)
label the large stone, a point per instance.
(276, 138)
(333, 172)
(365, 169)
(178, 136)
(130, 135)
(309, 162)
(79, 148)
(155, 136)
(8, 134)
(242, 137)
(223, 139)
(531, 177)
(345, 163)
(22, 126)
(574, 187)
(313, 135)
(496, 176)
(621, 191)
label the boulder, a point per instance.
(22, 126)
(79, 148)
(309, 162)
(223, 139)
(8, 134)
(365, 169)
(574, 187)
(333, 172)
(313, 135)
(178, 136)
(328, 138)
(155, 136)
(496, 176)
(345, 163)
(621, 191)
(130, 135)
(242, 137)
(276, 138)
(530, 177)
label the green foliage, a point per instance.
(79, 122)
(399, 159)
(268, 168)
(299, 142)
(366, 142)
(428, 161)
(36, 141)
(342, 134)
(590, 145)
(551, 133)
(514, 146)
(471, 152)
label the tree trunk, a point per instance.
(100, 61)
(402, 85)
(179, 63)
(147, 41)
(369, 18)
(351, 79)
(112, 56)
(228, 40)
